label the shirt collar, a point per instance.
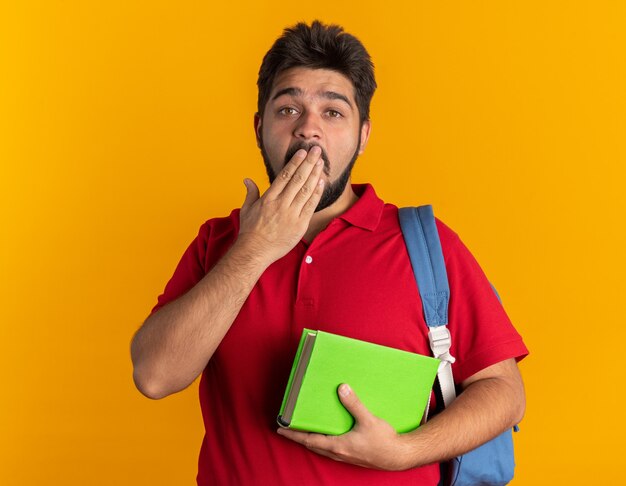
(367, 211)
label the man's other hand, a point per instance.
(275, 222)
(372, 442)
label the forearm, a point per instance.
(175, 344)
(486, 408)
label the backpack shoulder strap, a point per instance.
(422, 241)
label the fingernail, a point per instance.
(301, 153)
(344, 390)
(316, 150)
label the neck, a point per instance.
(320, 220)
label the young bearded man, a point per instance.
(319, 252)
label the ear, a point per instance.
(257, 129)
(365, 135)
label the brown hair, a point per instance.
(319, 46)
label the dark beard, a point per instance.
(332, 191)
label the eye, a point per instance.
(334, 114)
(287, 110)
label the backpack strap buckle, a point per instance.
(440, 342)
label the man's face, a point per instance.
(308, 107)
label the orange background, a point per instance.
(125, 125)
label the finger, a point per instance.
(309, 207)
(353, 405)
(252, 193)
(301, 175)
(285, 175)
(308, 439)
(308, 188)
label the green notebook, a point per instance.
(393, 384)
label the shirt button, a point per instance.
(308, 259)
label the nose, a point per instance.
(308, 127)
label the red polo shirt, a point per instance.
(354, 279)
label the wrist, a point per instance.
(251, 253)
(411, 452)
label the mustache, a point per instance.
(291, 151)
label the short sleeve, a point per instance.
(189, 271)
(482, 333)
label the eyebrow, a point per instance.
(329, 95)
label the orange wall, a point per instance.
(125, 125)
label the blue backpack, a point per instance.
(491, 464)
